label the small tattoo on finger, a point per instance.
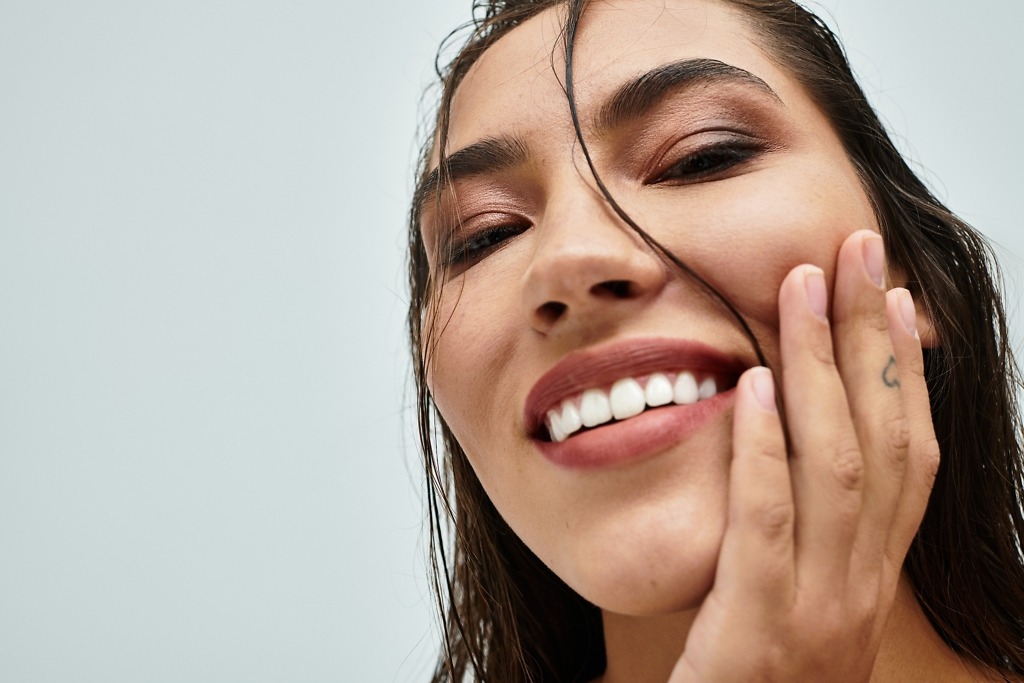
(889, 376)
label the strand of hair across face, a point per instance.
(572, 22)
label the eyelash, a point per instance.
(712, 160)
(466, 252)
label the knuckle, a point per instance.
(773, 518)
(823, 352)
(827, 626)
(892, 559)
(897, 438)
(848, 466)
(823, 628)
(777, 657)
(766, 453)
(875, 318)
(865, 611)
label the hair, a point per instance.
(508, 618)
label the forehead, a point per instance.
(517, 84)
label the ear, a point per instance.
(925, 329)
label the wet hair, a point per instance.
(507, 618)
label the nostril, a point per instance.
(619, 289)
(551, 311)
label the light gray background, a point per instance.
(203, 473)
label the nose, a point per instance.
(588, 267)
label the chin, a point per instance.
(659, 568)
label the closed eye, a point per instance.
(466, 252)
(709, 162)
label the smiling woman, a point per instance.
(664, 262)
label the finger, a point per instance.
(826, 467)
(756, 559)
(754, 578)
(867, 364)
(923, 454)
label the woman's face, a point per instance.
(552, 304)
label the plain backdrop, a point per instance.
(206, 469)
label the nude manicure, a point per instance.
(763, 385)
(817, 295)
(908, 312)
(873, 253)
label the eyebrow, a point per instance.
(486, 156)
(633, 100)
(636, 98)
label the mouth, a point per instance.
(628, 398)
(598, 387)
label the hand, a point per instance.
(815, 542)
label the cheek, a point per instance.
(747, 233)
(468, 363)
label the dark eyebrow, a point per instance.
(486, 156)
(638, 96)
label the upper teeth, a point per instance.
(626, 398)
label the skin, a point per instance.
(722, 557)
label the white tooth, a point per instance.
(555, 426)
(627, 398)
(686, 391)
(595, 408)
(708, 388)
(658, 391)
(571, 420)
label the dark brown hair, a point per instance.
(508, 618)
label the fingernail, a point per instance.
(874, 258)
(906, 302)
(817, 296)
(764, 388)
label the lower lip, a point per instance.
(640, 437)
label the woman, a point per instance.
(676, 399)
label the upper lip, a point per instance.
(599, 366)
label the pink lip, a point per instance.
(648, 433)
